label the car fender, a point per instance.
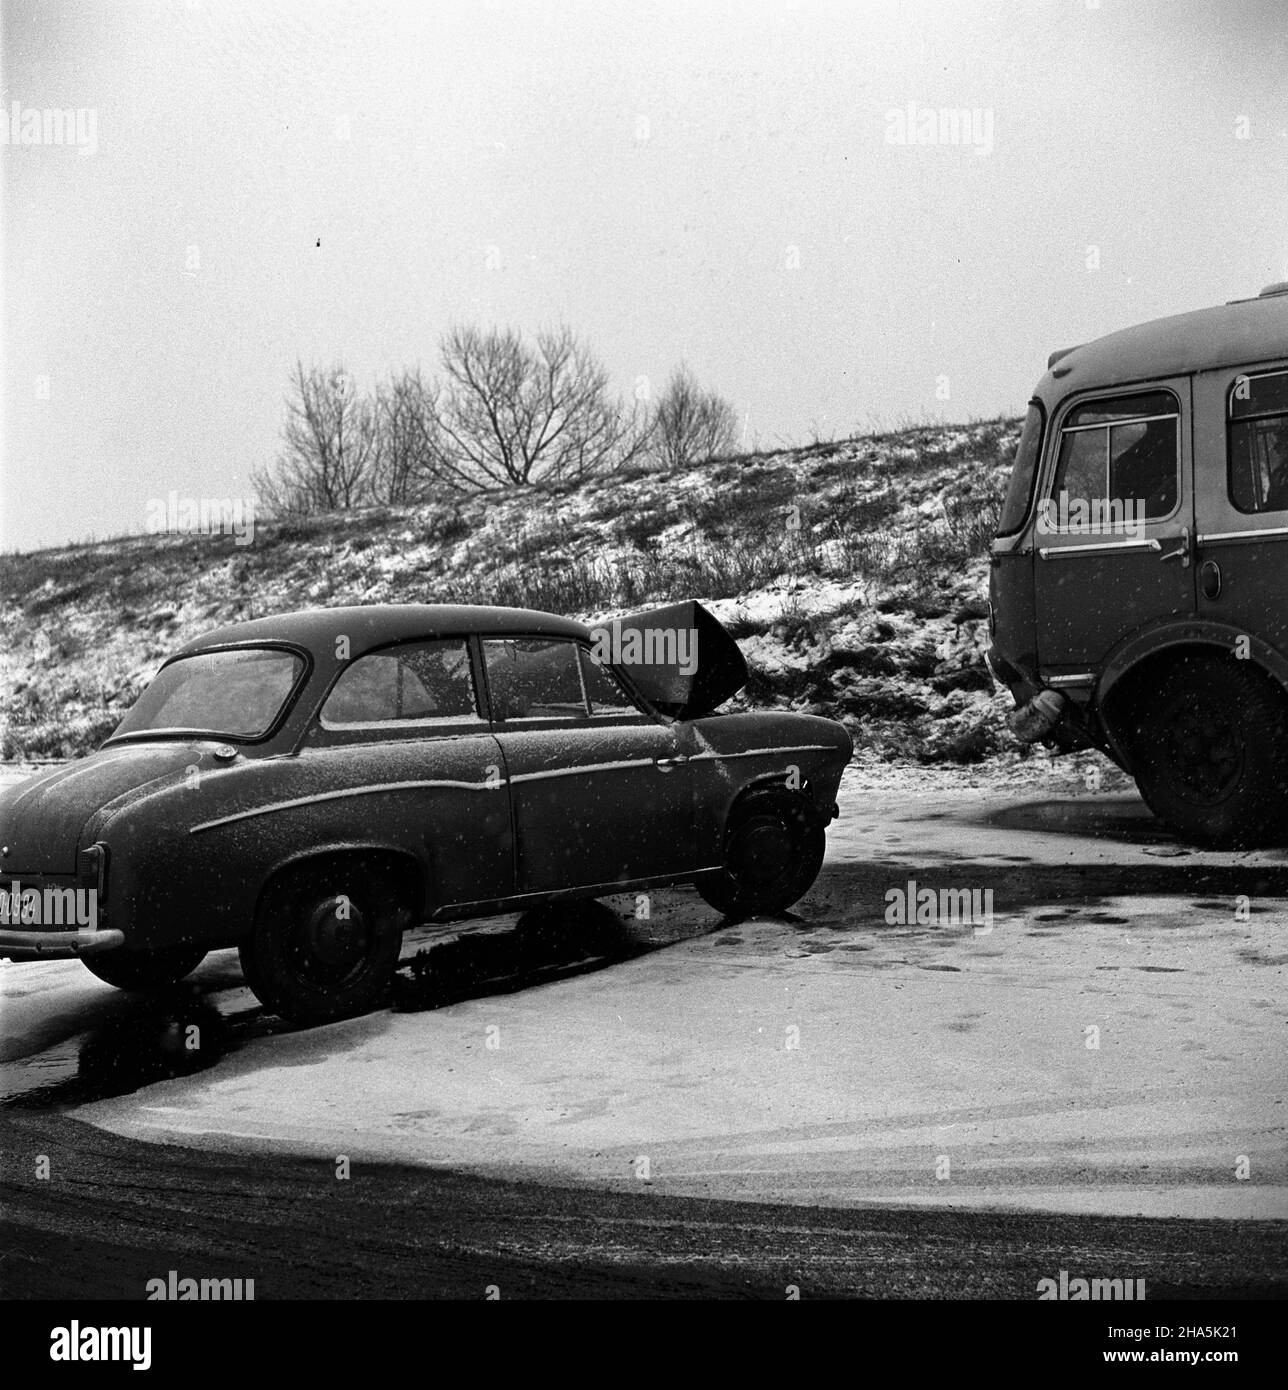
(817, 749)
(168, 887)
(385, 849)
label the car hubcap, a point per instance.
(763, 851)
(333, 939)
(1204, 750)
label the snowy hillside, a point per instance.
(853, 575)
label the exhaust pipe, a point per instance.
(1036, 719)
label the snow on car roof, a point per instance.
(372, 625)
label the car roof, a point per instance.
(374, 625)
(1245, 331)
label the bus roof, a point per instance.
(1245, 332)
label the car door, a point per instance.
(1114, 526)
(600, 791)
(1241, 481)
(403, 727)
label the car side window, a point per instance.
(417, 682)
(1257, 447)
(606, 696)
(533, 678)
(1119, 459)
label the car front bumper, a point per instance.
(57, 945)
(1022, 687)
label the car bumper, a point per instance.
(57, 945)
(1022, 687)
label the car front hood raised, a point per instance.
(41, 820)
(678, 657)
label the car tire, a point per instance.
(773, 848)
(144, 969)
(1209, 751)
(325, 942)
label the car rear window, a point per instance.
(1257, 454)
(606, 696)
(235, 694)
(1020, 490)
(534, 678)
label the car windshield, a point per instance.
(235, 694)
(1020, 491)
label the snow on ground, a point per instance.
(833, 1057)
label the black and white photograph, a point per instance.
(644, 656)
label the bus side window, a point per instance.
(1257, 455)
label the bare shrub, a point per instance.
(409, 449)
(513, 414)
(329, 445)
(690, 425)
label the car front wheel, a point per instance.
(1209, 749)
(773, 849)
(325, 943)
(144, 969)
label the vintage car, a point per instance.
(1140, 570)
(307, 786)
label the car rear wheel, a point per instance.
(1209, 749)
(144, 969)
(773, 849)
(325, 942)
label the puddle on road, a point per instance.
(1123, 819)
(171, 1033)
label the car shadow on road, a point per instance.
(545, 944)
(138, 1039)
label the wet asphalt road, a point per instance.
(114, 1213)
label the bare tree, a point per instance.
(329, 446)
(512, 414)
(409, 453)
(692, 425)
(506, 413)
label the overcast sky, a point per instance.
(715, 182)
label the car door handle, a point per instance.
(1182, 551)
(666, 764)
